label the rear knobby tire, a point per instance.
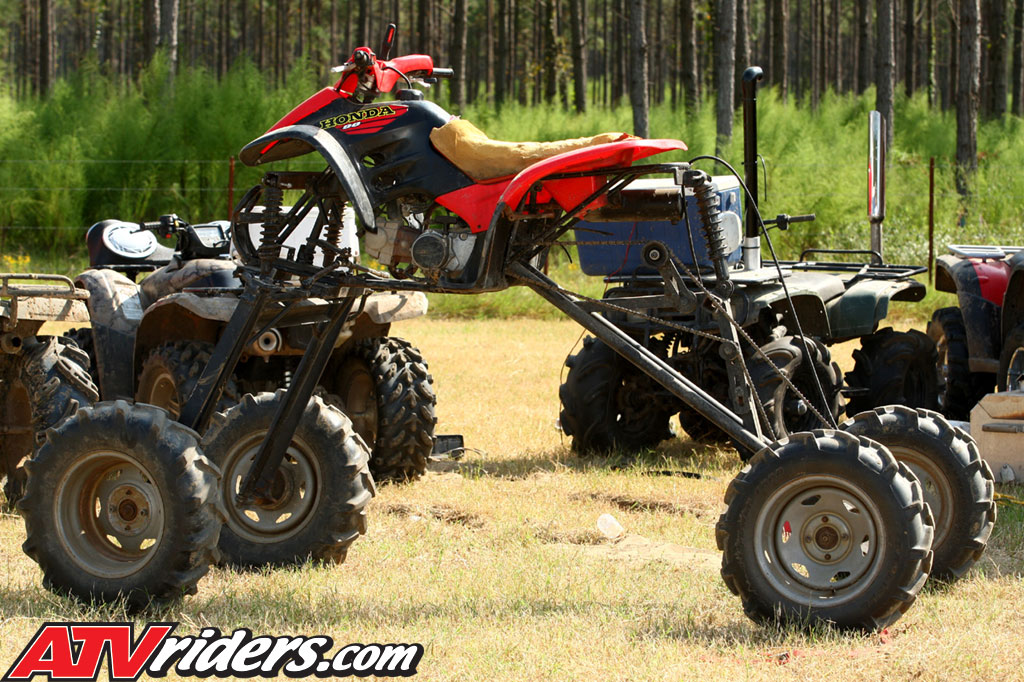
(893, 368)
(157, 496)
(807, 499)
(317, 505)
(957, 483)
(386, 389)
(959, 388)
(609, 405)
(46, 382)
(170, 372)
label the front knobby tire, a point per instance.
(121, 504)
(385, 388)
(957, 483)
(609, 405)
(316, 507)
(825, 527)
(959, 388)
(894, 368)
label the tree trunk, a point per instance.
(459, 56)
(1018, 59)
(578, 30)
(502, 53)
(725, 67)
(638, 67)
(45, 59)
(780, 33)
(688, 36)
(742, 60)
(864, 65)
(550, 50)
(150, 27)
(169, 32)
(909, 63)
(968, 83)
(885, 67)
(995, 77)
(930, 54)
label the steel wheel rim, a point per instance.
(1015, 371)
(359, 399)
(163, 392)
(295, 492)
(109, 514)
(936, 487)
(819, 538)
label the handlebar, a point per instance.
(783, 221)
(443, 73)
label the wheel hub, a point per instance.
(827, 538)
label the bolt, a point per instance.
(828, 557)
(824, 519)
(845, 536)
(808, 539)
(113, 509)
(654, 255)
(128, 492)
(144, 512)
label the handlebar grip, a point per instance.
(439, 72)
(801, 218)
(156, 224)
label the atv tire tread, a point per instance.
(971, 479)
(589, 413)
(406, 408)
(191, 496)
(185, 362)
(346, 483)
(962, 387)
(844, 455)
(882, 365)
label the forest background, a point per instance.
(133, 108)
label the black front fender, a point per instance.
(297, 140)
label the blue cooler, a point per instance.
(616, 259)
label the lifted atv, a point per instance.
(169, 324)
(792, 311)
(825, 526)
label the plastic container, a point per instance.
(618, 259)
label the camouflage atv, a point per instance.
(44, 379)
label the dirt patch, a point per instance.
(638, 548)
(627, 503)
(443, 513)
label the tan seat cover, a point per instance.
(482, 158)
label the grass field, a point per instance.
(495, 564)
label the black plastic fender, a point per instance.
(981, 316)
(301, 139)
(115, 310)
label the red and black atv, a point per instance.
(824, 525)
(977, 339)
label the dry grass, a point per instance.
(495, 565)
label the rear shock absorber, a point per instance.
(711, 220)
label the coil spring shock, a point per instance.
(270, 247)
(711, 220)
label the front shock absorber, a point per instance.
(711, 220)
(270, 247)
